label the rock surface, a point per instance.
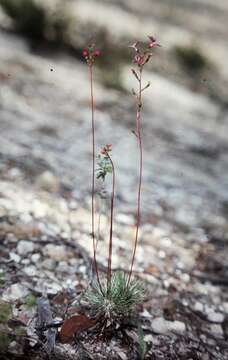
(25, 247)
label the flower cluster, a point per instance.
(141, 57)
(106, 149)
(90, 53)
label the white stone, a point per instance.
(55, 252)
(15, 257)
(198, 306)
(39, 209)
(69, 283)
(13, 346)
(25, 261)
(26, 218)
(11, 238)
(52, 230)
(161, 326)
(217, 329)
(30, 270)
(53, 288)
(146, 314)
(15, 292)
(158, 233)
(124, 219)
(162, 254)
(166, 242)
(148, 338)
(80, 216)
(63, 267)
(215, 317)
(48, 181)
(73, 204)
(177, 326)
(35, 257)
(185, 278)
(49, 264)
(185, 302)
(24, 247)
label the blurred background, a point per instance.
(45, 148)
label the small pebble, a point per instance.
(198, 306)
(30, 270)
(217, 330)
(35, 257)
(215, 317)
(24, 247)
(15, 257)
(125, 219)
(55, 252)
(15, 292)
(162, 326)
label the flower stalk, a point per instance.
(90, 54)
(139, 139)
(140, 58)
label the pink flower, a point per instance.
(143, 55)
(139, 59)
(90, 53)
(85, 53)
(153, 42)
(97, 53)
(107, 148)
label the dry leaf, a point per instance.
(62, 298)
(152, 269)
(74, 325)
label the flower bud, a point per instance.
(96, 53)
(138, 59)
(153, 42)
(85, 53)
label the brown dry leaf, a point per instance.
(20, 230)
(73, 325)
(62, 298)
(152, 269)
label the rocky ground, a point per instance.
(45, 241)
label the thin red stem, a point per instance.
(93, 173)
(109, 274)
(138, 214)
